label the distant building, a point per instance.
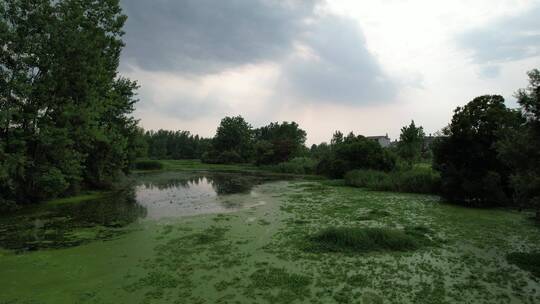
(384, 141)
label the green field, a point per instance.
(279, 241)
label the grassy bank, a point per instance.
(415, 180)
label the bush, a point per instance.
(225, 157)
(416, 180)
(229, 157)
(297, 165)
(148, 165)
(343, 239)
(355, 152)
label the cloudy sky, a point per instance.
(363, 66)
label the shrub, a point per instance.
(148, 165)
(229, 157)
(416, 180)
(355, 152)
(342, 239)
(297, 165)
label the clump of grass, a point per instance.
(148, 165)
(526, 261)
(211, 235)
(290, 286)
(373, 215)
(361, 240)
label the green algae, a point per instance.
(254, 255)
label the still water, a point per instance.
(151, 197)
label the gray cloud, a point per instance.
(505, 39)
(344, 71)
(204, 36)
(200, 37)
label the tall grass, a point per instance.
(415, 180)
(356, 239)
(297, 165)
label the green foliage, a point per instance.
(519, 149)
(278, 142)
(234, 134)
(229, 157)
(471, 172)
(148, 165)
(411, 142)
(65, 114)
(362, 240)
(354, 152)
(165, 144)
(297, 165)
(526, 261)
(415, 180)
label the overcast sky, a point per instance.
(363, 66)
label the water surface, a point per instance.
(150, 197)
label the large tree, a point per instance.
(279, 142)
(466, 154)
(411, 141)
(520, 149)
(65, 113)
(234, 136)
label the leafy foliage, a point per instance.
(279, 142)
(411, 142)
(354, 152)
(163, 144)
(466, 155)
(65, 114)
(520, 148)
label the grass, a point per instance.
(195, 164)
(415, 180)
(87, 196)
(527, 261)
(363, 240)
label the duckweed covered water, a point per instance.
(236, 238)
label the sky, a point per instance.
(368, 66)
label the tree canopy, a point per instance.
(466, 155)
(65, 118)
(411, 142)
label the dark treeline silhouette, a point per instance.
(163, 144)
(489, 154)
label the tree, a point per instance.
(354, 152)
(520, 148)
(234, 134)
(279, 142)
(466, 154)
(410, 143)
(65, 114)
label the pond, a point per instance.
(150, 197)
